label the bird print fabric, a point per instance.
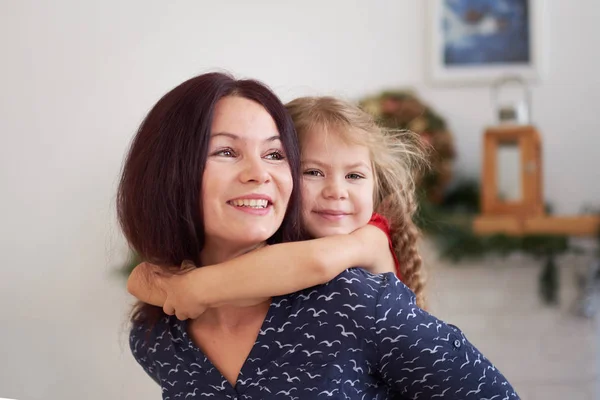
(360, 336)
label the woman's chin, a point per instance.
(252, 237)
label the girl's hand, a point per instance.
(182, 299)
(183, 292)
(188, 292)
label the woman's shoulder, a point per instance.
(148, 329)
(148, 337)
(359, 279)
(355, 286)
(365, 282)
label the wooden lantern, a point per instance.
(515, 206)
(512, 172)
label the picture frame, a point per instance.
(476, 42)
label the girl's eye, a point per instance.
(354, 176)
(224, 153)
(276, 156)
(313, 172)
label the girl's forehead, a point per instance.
(334, 135)
(333, 151)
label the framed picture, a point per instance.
(479, 41)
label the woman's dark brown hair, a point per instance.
(159, 202)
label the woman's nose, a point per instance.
(254, 170)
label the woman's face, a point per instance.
(247, 181)
(337, 184)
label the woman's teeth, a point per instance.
(254, 203)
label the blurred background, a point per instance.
(77, 78)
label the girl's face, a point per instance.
(247, 180)
(338, 184)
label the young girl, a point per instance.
(350, 168)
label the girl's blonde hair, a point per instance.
(396, 157)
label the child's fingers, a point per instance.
(181, 316)
(168, 308)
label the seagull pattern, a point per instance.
(360, 336)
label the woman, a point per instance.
(213, 174)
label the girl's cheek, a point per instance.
(309, 192)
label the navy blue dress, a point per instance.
(360, 336)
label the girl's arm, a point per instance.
(269, 271)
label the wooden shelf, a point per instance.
(544, 225)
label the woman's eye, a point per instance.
(275, 155)
(313, 172)
(224, 153)
(354, 176)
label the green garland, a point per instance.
(449, 224)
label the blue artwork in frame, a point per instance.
(486, 32)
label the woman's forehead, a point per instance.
(242, 118)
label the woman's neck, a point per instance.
(229, 318)
(216, 253)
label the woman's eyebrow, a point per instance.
(225, 134)
(233, 136)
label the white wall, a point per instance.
(76, 78)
